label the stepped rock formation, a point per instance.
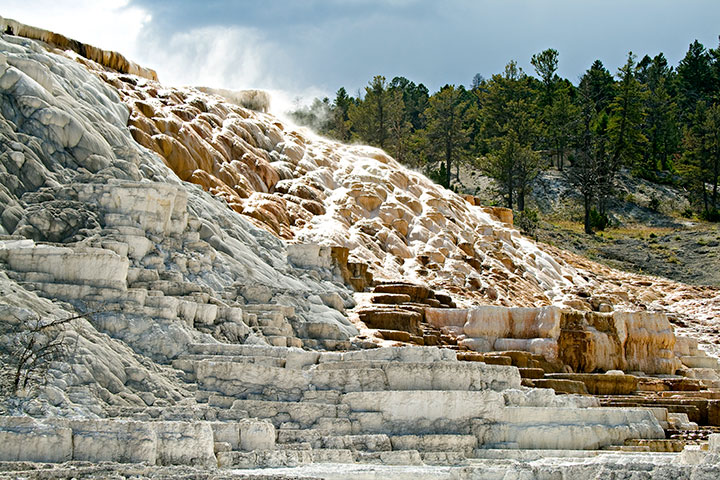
(586, 341)
(311, 190)
(204, 267)
(120, 234)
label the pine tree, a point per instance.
(561, 123)
(513, 166)
(399, 127)
(695, 78)
(588, 171)
(447, 118)
(477, 81)
(701, 161)
(372, 118)
(627, 115)
(340, 121)
(415, 98)
(715, 59)
(557, 110)
(599, 86)
(660, 126)
(509, 130)
(546, 64)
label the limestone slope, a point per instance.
(99, 224)
(99, 214)
(309, 189)
(175, 303)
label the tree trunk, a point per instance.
(602, 199)
(561, 155)
(448, 158)
(448, 172)
(557, 154)
(716, 174)
(381, 132)
(510, 192)
(588, 227)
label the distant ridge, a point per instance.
(109, 59)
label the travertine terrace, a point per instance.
(251, 296)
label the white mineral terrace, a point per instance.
(219, 264)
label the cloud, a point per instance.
(233, 57)
(312, 47)
(108, 24)
(226, 57)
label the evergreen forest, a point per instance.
(660, 122)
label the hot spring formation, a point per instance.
(245, 294)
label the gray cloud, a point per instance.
(333, 43)
(310, 47)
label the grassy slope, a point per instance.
(687, 254)
(642, 240)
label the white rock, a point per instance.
(114, 441)
(25, 439)
(182, 443)
(227, 432)
(309, 256)
(256, 435)
(714, 442)
(90, 266)
(418, 408)
(692, 455)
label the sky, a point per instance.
(300, 49)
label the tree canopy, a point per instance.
(658, 121)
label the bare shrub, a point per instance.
(35, 344)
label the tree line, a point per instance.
(659, 121)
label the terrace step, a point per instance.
(304, 414)
(464, 444)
